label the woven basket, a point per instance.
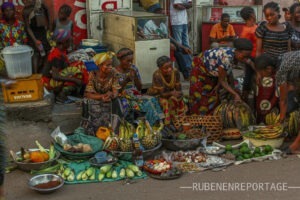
(213, 124)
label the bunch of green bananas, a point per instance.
(126, 130)
(293, 123)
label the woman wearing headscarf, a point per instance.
(37, 22)
(59, 75)
(166, 85)
(213, 71)
(101, 93)
(12, 30)
(131, 85)
(288, 80)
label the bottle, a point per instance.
(137, 154)
(42, 50)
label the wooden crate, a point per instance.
(24, 90)
(213, 124)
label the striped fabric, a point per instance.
(274, 43)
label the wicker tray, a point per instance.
(213, 125)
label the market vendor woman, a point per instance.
(212, 71)
(130, 93)
(59, 75)
(166, 85)
(101, 93)
(288, 80)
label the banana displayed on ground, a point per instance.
(235, 115)
(293, 123)
(269, 132)
(149, 136)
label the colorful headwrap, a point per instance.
(102, 57)
(122, 53)
(7, 5)
(61, 35)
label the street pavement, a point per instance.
(278, 179)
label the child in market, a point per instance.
(267, 96)
(63, 21)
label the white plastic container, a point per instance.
(17, 60)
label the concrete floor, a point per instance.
(284, 171)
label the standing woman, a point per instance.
(100, 92)
(295, 23)
(37, 21)
(273, 37)
(12, 30)
(214, 69)
(288, 80)
(166, 85)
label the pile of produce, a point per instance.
(78, 148)
(244, 152)
(149, 137)
(41, 155)
(272, 118)
(266, 132)
(235, 115)
(157, 166)
(188, 157)
(103, 173)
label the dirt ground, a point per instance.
(283, 173)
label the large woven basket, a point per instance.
(213, 124)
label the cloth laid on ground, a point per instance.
(79, 166)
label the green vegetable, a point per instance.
(257, 150)
(90, 171)
(114, 174)
(181, 136)
(228, 147)
(101, 177)
(236, 152)
(104, 169)
(139, 173)
(52, 169)
(246, 156)
(71, 177)
(108, 174)
(129, 173)
(134, 168)
(84, 177)
(79, 175)
(268, 148)
(51, 152)
(122, 173)
(239, 158)
(67, 172)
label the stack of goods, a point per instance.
(235, 115)
(148, 136)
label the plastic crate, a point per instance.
(90, 65)
(24, 90)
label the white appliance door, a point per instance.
(146, 54)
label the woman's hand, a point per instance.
(37, 44)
